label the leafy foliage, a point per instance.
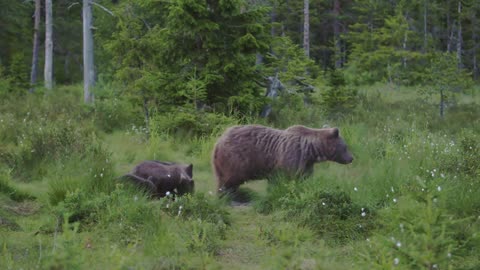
(338, 98)
(195, 52)
(188, 122)
(422, 234)
(330, 213)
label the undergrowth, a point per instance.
(410, 199)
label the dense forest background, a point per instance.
(89, 89)
(222, 55)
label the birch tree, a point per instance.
(48, 70)
(459, 36)
(88, 59)
(306, 28)
(36, 42)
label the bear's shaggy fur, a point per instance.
(160, 177)
(251, 152)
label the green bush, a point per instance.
(203, 236)
(68, 252)
(189, 122)
(418, 232)
(331, 213)
(338, 98)
(91, 171)
(8, 188)
(112, 110)
(196, 206)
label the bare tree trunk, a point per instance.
(405, 40)
(459, 37)
(36, 43)
(147, 113)
(425, 26)
(474, 50)
(449, 29)
(48, 72)
(442, 103)
(336, 34)
(306, 28)
(88, 60)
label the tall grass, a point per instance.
(409, 200)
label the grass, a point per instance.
(410, 199)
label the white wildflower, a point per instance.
(396, 261)
(355, 189)
(398, 244)
(394, 200)
(439, 188)
(364, 214)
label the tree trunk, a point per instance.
(442, 103)
(336, 34)
(306, 28)
(48, 72)
(36, 43)
(147, 114)
(459, 37)
(405, 40)
(449, 29)
(425, 27)
(88, 64)
(474, 50)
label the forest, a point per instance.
(89, 89)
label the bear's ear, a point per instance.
(189, 170)
(334, 133)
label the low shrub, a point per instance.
(197, 206)
(331, 213)
(8, 188)
(418, 232)
(189, 122)
(91, 171)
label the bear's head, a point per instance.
(186, 185)
(336, 147)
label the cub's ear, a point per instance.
(189, 170)
(334, 133)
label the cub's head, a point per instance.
(186, 185)
(336, 148)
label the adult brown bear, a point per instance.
(160, 177)
(251, 152)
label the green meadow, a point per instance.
(410, 199)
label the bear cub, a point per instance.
(159, 177)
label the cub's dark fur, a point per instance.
(160, 177)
